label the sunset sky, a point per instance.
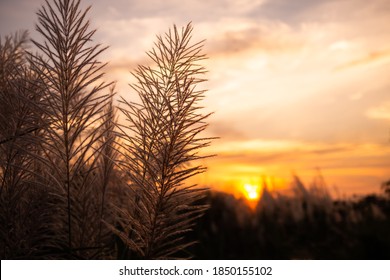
(296, 86)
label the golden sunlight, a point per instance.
(251, 192)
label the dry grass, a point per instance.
(71, 176)
(160, 141)
(306, 224)
(22, 200)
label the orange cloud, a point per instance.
(351, 167)
(267, 37)
(380, 112)
(373, 58)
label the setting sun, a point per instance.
(212, 130)
(251, 192)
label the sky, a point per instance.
(297, 87)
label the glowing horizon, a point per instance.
(296, 86)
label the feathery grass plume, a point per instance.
(108, 176)
(74, 103)
(23, 218)
(159, 144)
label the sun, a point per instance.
(251, 192)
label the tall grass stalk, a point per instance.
(107, 159)
(160, 142)
(73, 108)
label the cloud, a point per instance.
(352, 167)
(190, 10)
(276, 147)
(126, 65)
(271, 74)
(299, 11)
(376, 58)
(381, 112)
(238, 36)
(18, 15)
(287, 11)
(226, 129)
